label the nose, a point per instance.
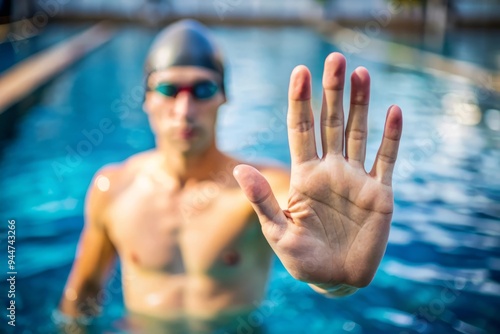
(184, 107)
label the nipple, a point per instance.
(231, 258)
(134, 258)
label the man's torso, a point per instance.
(196, 249)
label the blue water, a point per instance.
(441, 272)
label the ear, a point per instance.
(146, 103)
(224, 98)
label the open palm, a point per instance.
(335, 228)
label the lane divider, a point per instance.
(25, 77)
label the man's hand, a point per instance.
(335, 229)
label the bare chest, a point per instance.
(205, 230)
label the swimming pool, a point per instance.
(441, 271)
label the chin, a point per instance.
(188, 147)
(194, 151)
(193, 148)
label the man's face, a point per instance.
(183, 121)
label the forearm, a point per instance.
(334, 290)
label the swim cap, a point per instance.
(185, 43)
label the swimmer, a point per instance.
(195, 229)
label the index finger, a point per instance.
(300, 118)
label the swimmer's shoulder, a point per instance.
(113, 178)
(109, 181)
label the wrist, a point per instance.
(334, 290)
(62, 319)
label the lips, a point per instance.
(187, 133)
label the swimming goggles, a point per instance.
(201, 90)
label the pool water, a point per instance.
(441, 271)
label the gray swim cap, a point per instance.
(185, 43)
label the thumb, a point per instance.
(259, 193)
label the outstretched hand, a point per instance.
(335, 228)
